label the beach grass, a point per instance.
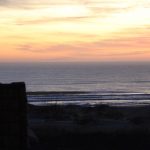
(84, 127)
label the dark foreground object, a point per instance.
(13, 120)
(90, 128)
(96, 141)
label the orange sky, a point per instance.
(74, 30)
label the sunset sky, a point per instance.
(74, 30)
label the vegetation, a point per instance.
(73, 127)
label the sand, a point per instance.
(84, 127)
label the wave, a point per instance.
(67, 96)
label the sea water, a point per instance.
(96, 82)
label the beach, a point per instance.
(72, 127)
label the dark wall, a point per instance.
(13, 116)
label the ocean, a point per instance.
(82, 83)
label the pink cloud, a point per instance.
(137, 46)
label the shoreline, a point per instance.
(88, 98)
(92, 103)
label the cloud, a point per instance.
(18, 4)
(31, 4)
(128, 53)
(96, 4)
(109, 47)
(83, 12)
(79, 53)
(82, 18)
(87, 11)
(43, 20)
(11, 2)
(47, 48)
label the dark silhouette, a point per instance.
(13, 116)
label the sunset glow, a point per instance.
(73, 30)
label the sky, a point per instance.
(74, 30)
